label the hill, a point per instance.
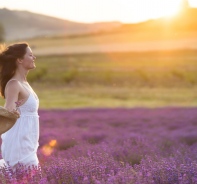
(24, 24)
(171, 33)
(184, 21)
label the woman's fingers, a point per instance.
(14, 111)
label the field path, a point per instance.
(118, 47)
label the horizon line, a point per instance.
(92, 22)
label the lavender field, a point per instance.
(115, 146)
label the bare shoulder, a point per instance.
(13, 85)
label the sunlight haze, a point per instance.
(88, 11)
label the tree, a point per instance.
(2, 32)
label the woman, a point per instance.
(20, 143)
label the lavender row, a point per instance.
(114, 146)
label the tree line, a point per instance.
(2, 33)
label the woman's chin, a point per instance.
(33, 67)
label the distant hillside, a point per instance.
(185, 21)
(24, 24)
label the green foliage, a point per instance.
(37, 75)
(66, 144)
(178, 74)
(70, 76)
(179, 69)
(191, 78)
(189, 140)
(116, 80)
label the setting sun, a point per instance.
(153, 9)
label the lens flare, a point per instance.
(52, 143)
(48, 149)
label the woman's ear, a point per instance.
(19, 60)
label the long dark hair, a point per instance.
(8, 65)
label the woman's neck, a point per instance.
(21, 75)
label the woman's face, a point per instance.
(28, 59)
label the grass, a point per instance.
(130, 79)
(152, 69)
(109, 97)
(112, 97)
(97, 97)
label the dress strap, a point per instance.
(29, 90)
(25, 88)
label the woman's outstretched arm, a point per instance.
(11, 96)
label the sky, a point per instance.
(89, 11)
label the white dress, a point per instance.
(20, 143)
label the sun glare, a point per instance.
(193, 3)
(151, 9)
(126, 11)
